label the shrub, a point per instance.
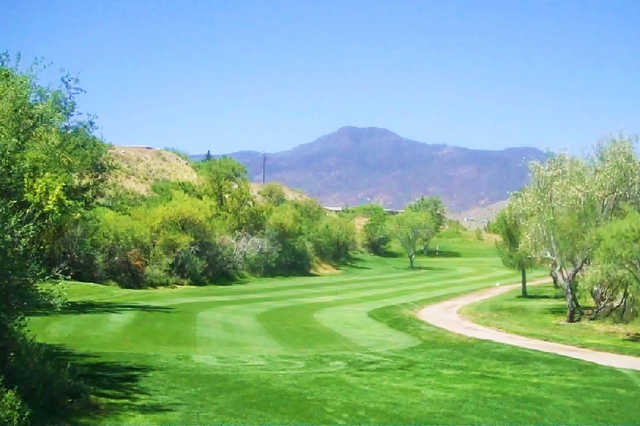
(333, 238)
(13, 412)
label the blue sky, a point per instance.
(269, 75)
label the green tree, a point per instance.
(509, 226)
(614, 273)
(273, 194)
(52, 169)
(333, 238)
(376, 230)
(434, 207)
(567, 200)
(411, 228)
(285, 231)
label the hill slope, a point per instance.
(358, 165)
(138, 167)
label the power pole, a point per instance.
(264, 164)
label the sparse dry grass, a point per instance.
(139, 167)
(289, 193)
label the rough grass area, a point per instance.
(542, 315)
(344, 348)
(139, 167)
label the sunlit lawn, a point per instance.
(343, 348)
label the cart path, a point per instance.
(445, 315)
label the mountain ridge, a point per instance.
(355, 165)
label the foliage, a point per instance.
(508, 225)
(285, 230)
(411, 228)
(13, 411)
(273, 194)
(433, 206)
(376, 230)
(567, 200)
(333, 238)
(614, 275)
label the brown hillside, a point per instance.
(138, 167)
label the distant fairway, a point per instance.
(333, 349)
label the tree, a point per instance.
(567, 200)
(273, 194)
(509, 226)
(614, 275)
(434, 207)
(411, 228)
(376, 230)
(333, 238)
(52, 170)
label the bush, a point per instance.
(13, 412)
(376, 231)
(255, 254)
(333, 238)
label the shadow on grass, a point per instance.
(539, 296)
(389, 253)
(632, 337)
(354, 262)
(61, 386)
(89, 307)
(113, 387)
(443, 253)
(557, 310)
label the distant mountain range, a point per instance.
(360, 165)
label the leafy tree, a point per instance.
(273, 194)
(225, 181)
(284, 230)
(509, 226)
(52, 169)
(411, 228)
(376, 230)
(614, 275)
(434, 207)
(221, 177)
(567, 200)
(333, 238)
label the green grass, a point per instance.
(542, 315)
(345, 348)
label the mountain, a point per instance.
(359, 165)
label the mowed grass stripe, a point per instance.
(274, 285)
(315, 290)
(231, 325)
(304, 332)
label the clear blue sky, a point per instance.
(269, 75)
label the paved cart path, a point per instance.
(445, 315)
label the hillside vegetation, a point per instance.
(137, 168)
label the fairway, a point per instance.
(344, 348)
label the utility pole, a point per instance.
(264, 164)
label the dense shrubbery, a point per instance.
(209, 232)
(52, 171)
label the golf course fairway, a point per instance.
(342, 348)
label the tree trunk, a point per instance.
(524, 282)
(573, 307)
(554, 276)
(412, 257)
